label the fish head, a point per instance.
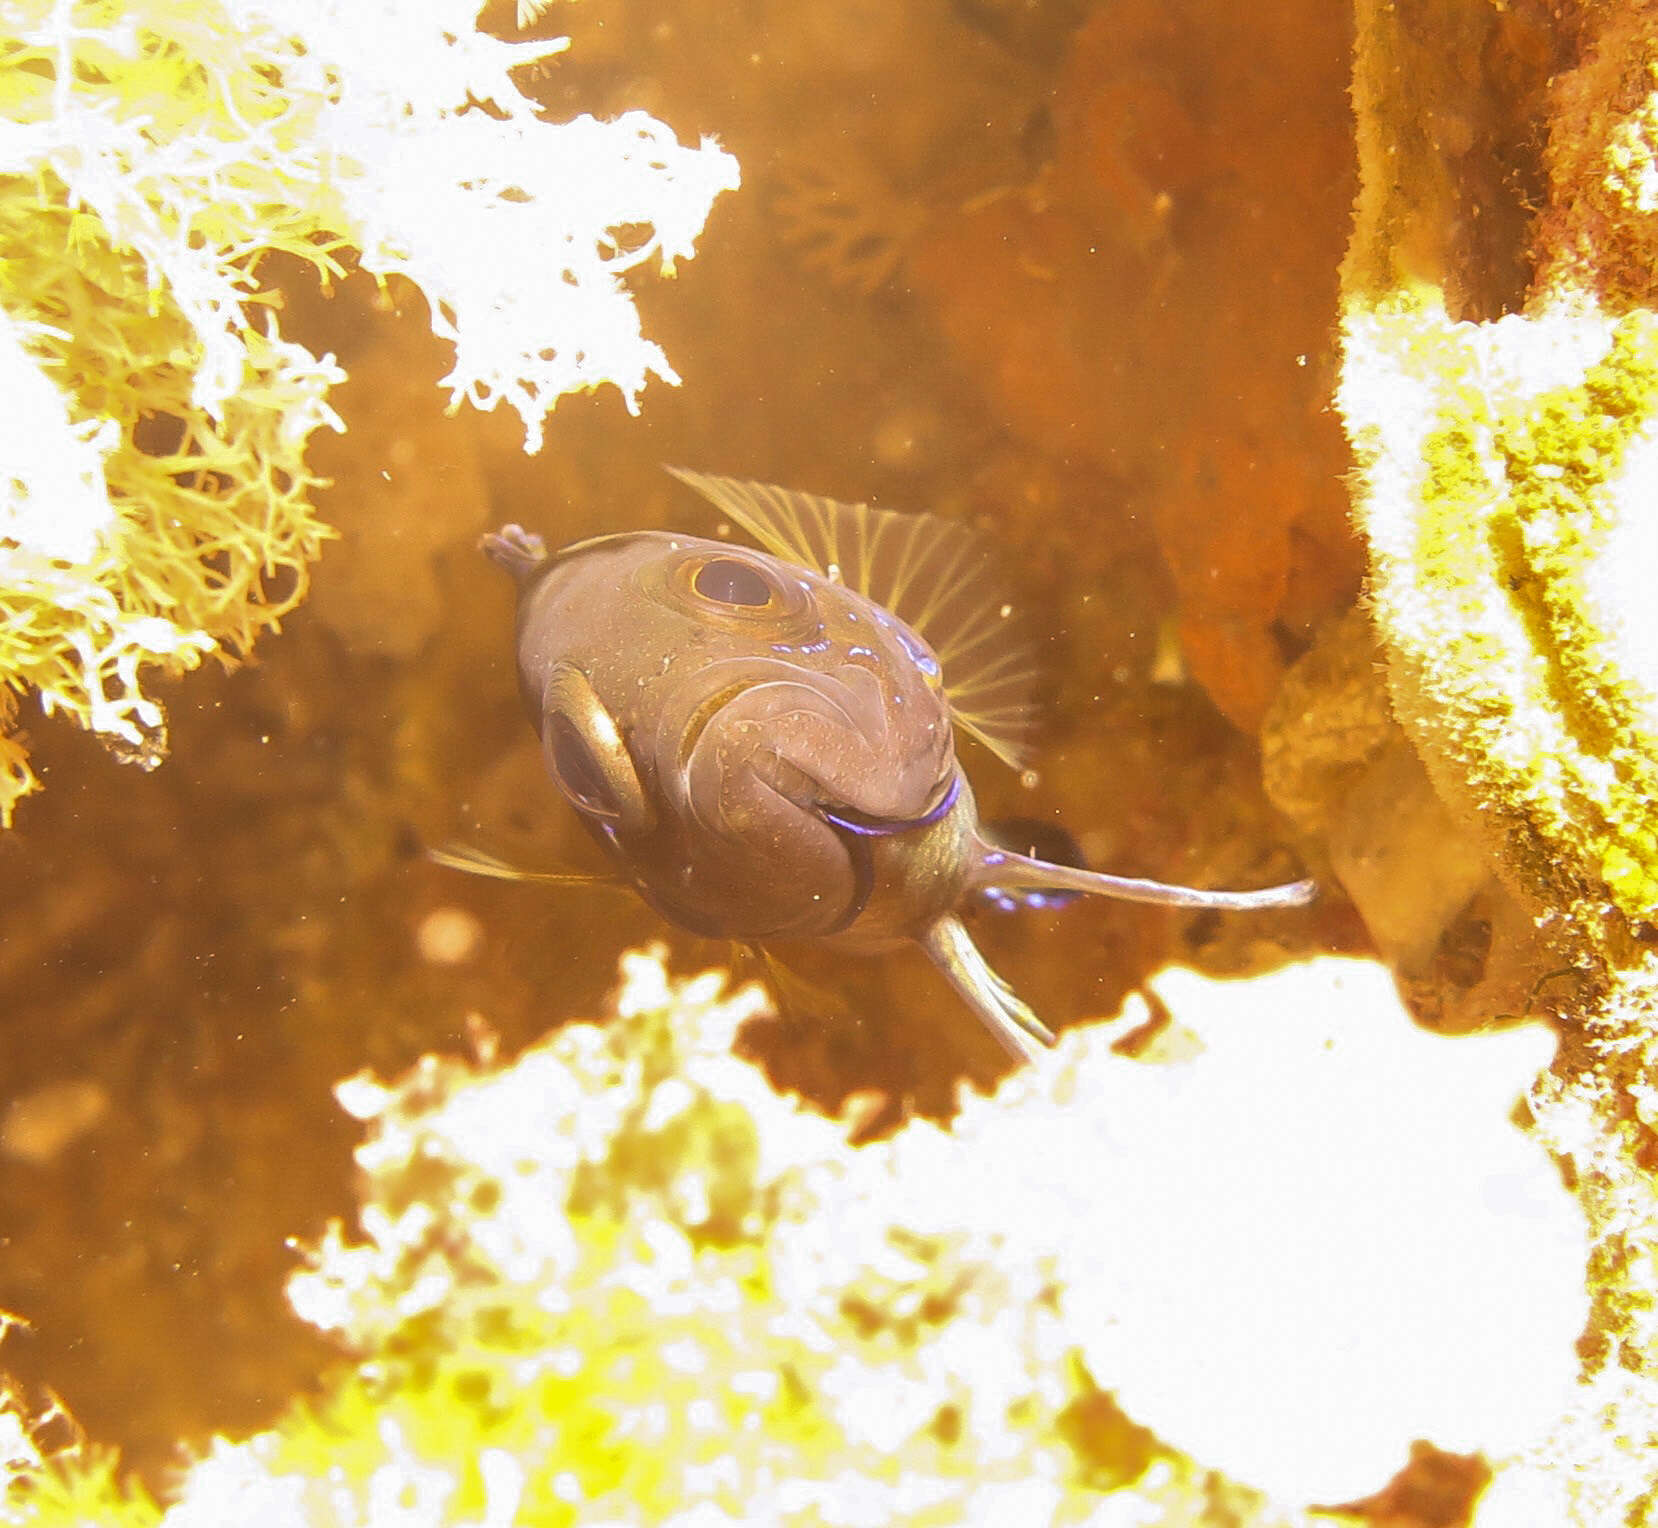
(734, 728)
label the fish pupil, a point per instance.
(579, 774)
(729, 582)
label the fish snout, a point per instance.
(822, 741)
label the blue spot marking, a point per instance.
(1026, 899)
(919, 655)
(1041, 841)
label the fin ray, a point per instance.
(794, 995)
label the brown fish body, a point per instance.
(765, 744)
(754, 731)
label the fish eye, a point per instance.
(734, 591)
(579, 774)
(585, 753)
(727, 581)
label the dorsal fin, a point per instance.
(934, 575)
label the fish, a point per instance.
(764, 739)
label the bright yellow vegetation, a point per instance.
(1500, 388)
(161, 167)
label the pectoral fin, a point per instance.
(1002, 871)
(797, 996)
(1004, 1012)
(936, 576)
(1036, 839)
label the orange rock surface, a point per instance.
(1159, 302)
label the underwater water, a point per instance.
(1064, 271)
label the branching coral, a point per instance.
(152, 161)
(849, 226)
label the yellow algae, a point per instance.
(1516, 686)
(1504, 433)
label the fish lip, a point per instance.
(865, 826)
(810, 798)
(797, 783)
(703, 713)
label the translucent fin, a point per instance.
(797, 996)
(1004, 871)
(934, 575)
(1005, 1013)
(476, 862)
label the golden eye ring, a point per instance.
(736, 586)
(732, 581)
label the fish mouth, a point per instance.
(867, 825)
(792, 782)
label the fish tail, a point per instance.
(518, 551)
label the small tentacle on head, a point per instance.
(518, 551)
